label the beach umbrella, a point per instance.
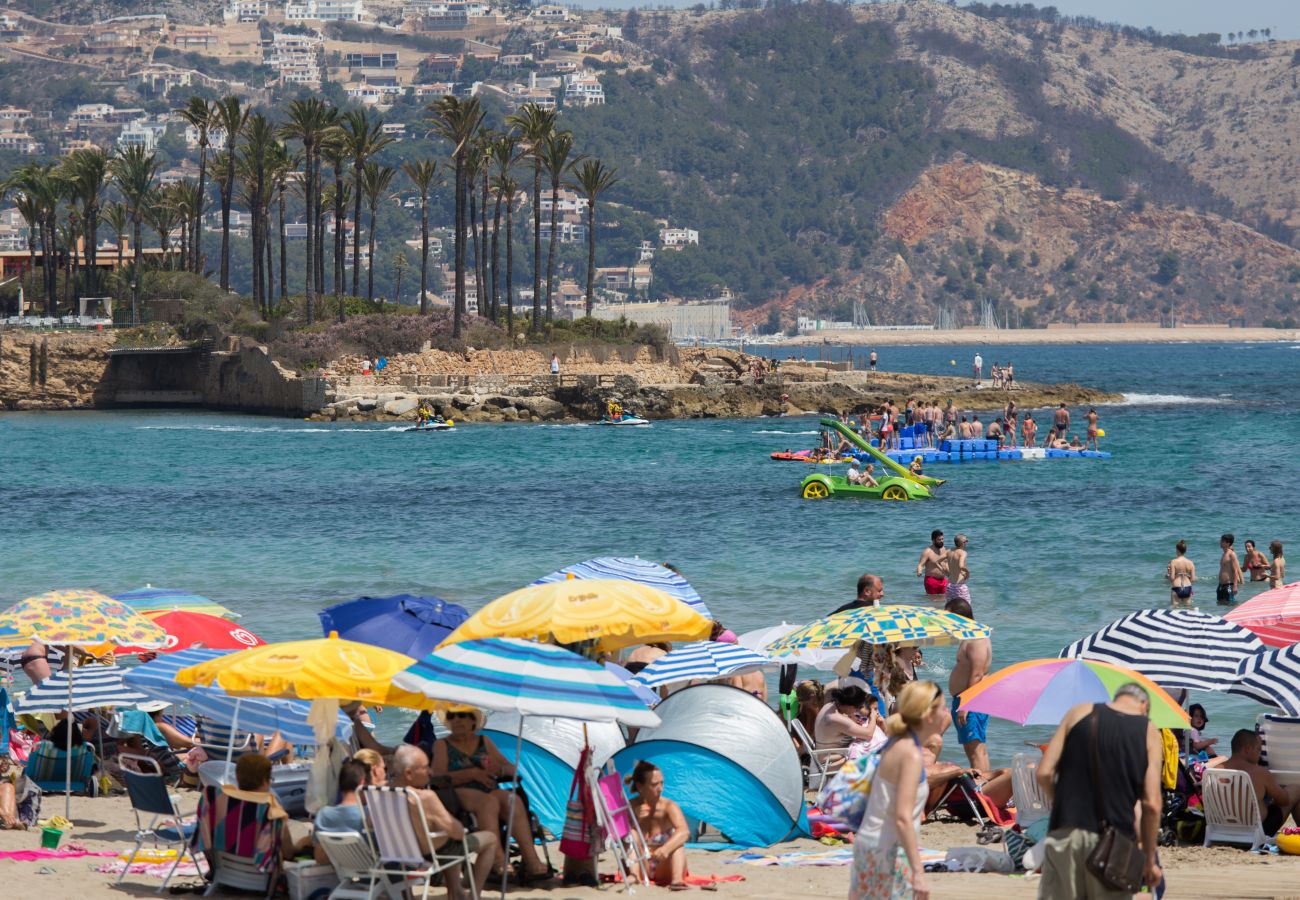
(404, 623)
(1041, 691)
(191, 629)
(702, 660)
(511, 675)
(1175, 648)
(633, 568)
(613, 612)
(1272, 678)
(318, 669)
(917, 625)
(759, 638)
(260, 715)
(78, 619)
(648, 697)
(1273, 615)
(159, 600)
(91, 688)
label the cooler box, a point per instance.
(306, 878)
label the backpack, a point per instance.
(843, 797)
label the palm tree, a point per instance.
(86, 174)
(38, 193)
(362, 140)
(400, 265)
(555, 153)
(29, 209)
(133, 172)
(535, 126)
(423, 174)
(183, 195)
(198, 113)
(375, 180)
(255, 160)
(506, 188)
(230, 117)
(335, 151)
(283, 164)
(308, 122)
(475, 170)
(592, 179)
(115, 215)
(457, 121)
(505, 156)
(164, 214)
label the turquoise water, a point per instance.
(277, 518)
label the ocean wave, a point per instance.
(814, 431)
(1168, 400)
(261, 429)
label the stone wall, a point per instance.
(74, 367)
(248, 380)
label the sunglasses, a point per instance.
(460, 715)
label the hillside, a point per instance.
(804, 137)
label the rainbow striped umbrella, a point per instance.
(151, 600)
(880, 625)
(1041, 691)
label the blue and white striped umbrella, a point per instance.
(701, 661)
(1175, 648)
(633, 568)
(1272, 678)
(260, 715)
(512, 675)
(91, 688)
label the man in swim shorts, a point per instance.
(1181, 575)
(931, 565)
(974, 658)
(958, 575)
(1229, 572)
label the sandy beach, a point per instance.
(1064, 334)
(106, 824)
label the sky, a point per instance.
(1186, 16)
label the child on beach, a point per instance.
(1195, 742)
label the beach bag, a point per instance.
(578, 837)
(843, 798)
(1116, 861)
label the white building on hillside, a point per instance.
(247, 10)
(142, 133)
(324, 11)
(677, 238)
(583, 89)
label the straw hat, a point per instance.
(479, 717)
(150, 706)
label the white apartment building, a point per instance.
(142, 133)
(583, 89)
(550, 12)
(566, 232)
(324, 10)
(569, 204)
(19, 142)
(247, 10)
(91, 112)
(294, 57)
(677, 238)
(216, 138)
(14, 114)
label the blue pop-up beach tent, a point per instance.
(727, 761)
(549, 756)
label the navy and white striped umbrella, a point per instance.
(260, 715)
(633, 568)
(1272, 678)
(1175, 648)
(91, 688)
(702, 660)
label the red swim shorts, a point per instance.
(935, 585)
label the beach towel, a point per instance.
(186, 869)
(35, 855)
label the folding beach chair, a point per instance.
(218, 739)
(621, 829)
(1031, 802)
(1231, 809)
(1280, 746)
(47, 767)
(404, 843)
(822, 764)
(240, 841)
(157, 819)
(354, 862)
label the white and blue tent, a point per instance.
(727, 761)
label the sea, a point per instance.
(278, 518)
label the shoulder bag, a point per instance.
(1116, 861)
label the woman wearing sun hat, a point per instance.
(472, 764)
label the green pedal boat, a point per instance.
(819, 486)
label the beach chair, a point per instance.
(821, 763)
(354, 862)
(218, 739)
(240, 842)
(1280, 746)
(1031, 802)
(47, 768)
(157, 819)
(403, 841)
(1231, 809)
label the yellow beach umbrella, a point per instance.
(321, 668)
(78, 619)
(614, 612)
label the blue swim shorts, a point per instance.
(976, 727)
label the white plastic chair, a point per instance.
(822, 764)
(1030, 799)
(394, 814)
(354, 861)
(1280, 747)
(1231, 808)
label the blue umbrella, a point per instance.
(702, 660)
(404, 623)
(90, 687)
(648, 697)
(633, 568)
(1272, 678)
(260, 715)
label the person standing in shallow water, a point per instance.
(1229, 572)
(1181, 575)
(1276, 569)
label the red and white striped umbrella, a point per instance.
(1273, 615)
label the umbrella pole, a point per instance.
(67, 760)
(510, 804)
(230, 744)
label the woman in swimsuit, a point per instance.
(472, 764)
(1255, 563)
(35, 662)
(663, 825)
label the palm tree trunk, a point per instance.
(510, 268)
(591, 254)
(284, 252)
(424, 253)
(135, 270)
(496, 259)
(473, 225)
(458, 311)
(550, 252)
(310, 215)
(356, 235)
(320, 242)
(91, 230)
(269, 249)
(482, 252)
(32, 231)
(196, 241)
(340, 269)
(537, 244)
(370, 264)
(226, 190)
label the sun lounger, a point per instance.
(822, 764)
(1280, 741)
(354, 862)
(1231, 809)
(47, 768)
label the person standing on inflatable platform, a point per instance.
(931, 565)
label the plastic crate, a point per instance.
(307, 877)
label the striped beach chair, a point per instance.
(239, 840)
(403, 841)
(186, 725)
(47, 768)
(216, 739)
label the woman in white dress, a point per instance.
(886, 855)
